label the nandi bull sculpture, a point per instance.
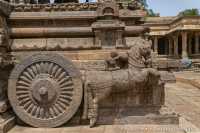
(124, 72)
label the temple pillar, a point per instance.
(170, 47)
(190, 45)
(166, 46)
(184, 44)
(155, 44)
(175, 39)
(119, 42)
(196, 43)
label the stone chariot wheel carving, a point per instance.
(45, 90)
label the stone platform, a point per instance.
(184, 127)
(103, 129)
(182, 98)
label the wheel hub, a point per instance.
(44, 89)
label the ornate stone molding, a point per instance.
(5, 8)
(56, 7)
(68, 7)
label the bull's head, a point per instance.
(145, 53)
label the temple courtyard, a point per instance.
(182, 97)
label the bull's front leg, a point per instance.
(93, 105)
(159, 93)
(94, 113)
(156, 86)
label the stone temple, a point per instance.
(69, 64)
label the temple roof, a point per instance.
(160, 20)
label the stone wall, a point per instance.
(52, 44)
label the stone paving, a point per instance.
(181, 97)
(184, 99)
(188, 75)
(192, 78)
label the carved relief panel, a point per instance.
(108, 38)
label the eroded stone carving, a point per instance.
(6, 118)
(100, 84)
(74, 6)
(56, 7)
(45, 90)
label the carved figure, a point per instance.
(137, 75)
(116, 62)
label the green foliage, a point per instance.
(151, 13)
(189, 12)
(144, 2)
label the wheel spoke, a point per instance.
(38, 68)
(34, 69)
(23, 83)
(25, 79)
(58, 72)
(55, 68)
(27, 75)
(30, 71)
(66, 84)
(50, 68)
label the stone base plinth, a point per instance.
(137, 120)
(7, 121)
(103, 129)
(137, 115)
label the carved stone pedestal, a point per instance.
(7, 121)
(138, 115)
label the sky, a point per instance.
(170, 7)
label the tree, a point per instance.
(189, 12)
(151, 13)
(144, 2)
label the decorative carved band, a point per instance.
(69, 7)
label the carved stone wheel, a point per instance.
(45, 90)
